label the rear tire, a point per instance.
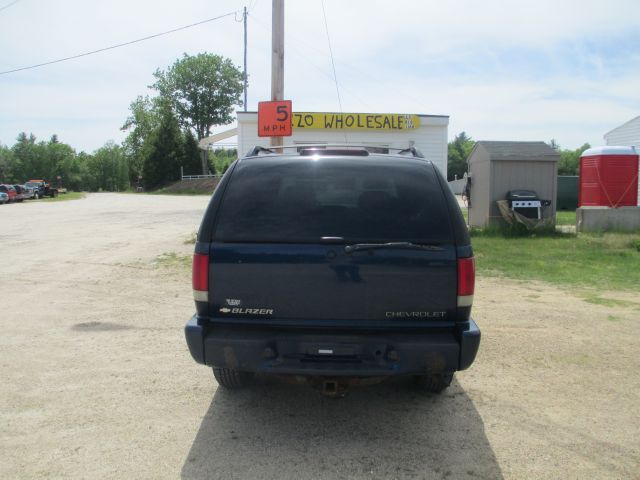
(435, 383)
(231, 379)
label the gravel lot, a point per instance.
(97, 381)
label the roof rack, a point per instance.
(257, 150)
(411, 150)
(332, 149)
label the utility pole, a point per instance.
(204, 158)
(244, 16)
(277, 58)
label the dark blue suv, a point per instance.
(333, 265)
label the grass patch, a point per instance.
(63, 197)
(609, 302)
(607, 261)
(165, 191)
(173, 260)
(186, 191)
(202, 186)
(564, 217)
(465, 214)
(191, 239)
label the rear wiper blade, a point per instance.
(399, 245)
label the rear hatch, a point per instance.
(333, 240)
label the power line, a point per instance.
(357, 73)
(335, 77)
(120, 44)
(333, 65)
(294, 47)
(8, 5)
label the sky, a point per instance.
(501, 70)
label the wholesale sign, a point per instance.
(355, 121)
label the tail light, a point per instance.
(466, 281)
(200, 277)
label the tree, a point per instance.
(58, 159)
(144, 118)
(105, 169)
(78, 177)
(221, 158)
(570, 160)
(8, 165)
(39, 160)
(202, 90)
(191, 154)
(458, 152)
(163, 151)
(25, 154)
(108, 168)
(554, 144)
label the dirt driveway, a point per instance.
(96, 380)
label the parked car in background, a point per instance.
(24, 191)
(4, 198)
(42, 188)
(21, 193)
(10, 191)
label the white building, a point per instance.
(427, 133)
(626, 135)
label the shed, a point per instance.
(497, 167)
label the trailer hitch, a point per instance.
(331, 388)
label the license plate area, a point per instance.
(331, 349)
(335, 352)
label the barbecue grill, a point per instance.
(526, 203)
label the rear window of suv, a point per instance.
(360, 200)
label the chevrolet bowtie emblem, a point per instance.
(225, 310)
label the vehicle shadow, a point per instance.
(275, 430)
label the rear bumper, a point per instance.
(301, 352)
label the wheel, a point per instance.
(435, 383)
(231, 379)
(54, 194)
(36, 196)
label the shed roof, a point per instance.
(538, 151)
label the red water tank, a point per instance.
(608, 177)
